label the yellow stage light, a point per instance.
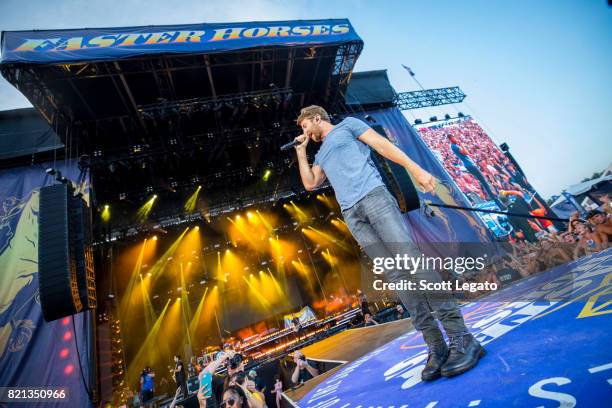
(190, 204)
(267, 175)
(106, 213)
(145, 209)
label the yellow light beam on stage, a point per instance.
(270, 288)
(145, 209)
(327, 237)
(280, 255)
(126, 299)
(276, 284)
(239, 224)
(340, 226)
(333, 263)
(265, 222)
(163, 261)
(331, 260)
(144, 355)
(190, 205)
(190, 245)
(185, 296)
(195, 321)
(173, 324)
(298, 213)
(298, 209)
(146, 302)
(220, 273)
(329, 202)
(233, 266)
(267, 175)
(264, 302)
(106, 214)
(186, 309)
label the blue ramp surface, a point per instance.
(548, 339)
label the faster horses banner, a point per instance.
(57, 46)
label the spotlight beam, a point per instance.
(163, 261)
(258, 296)
(124, 305)
(145, 210)
(141, 358)
(193, 325)
(190, 204)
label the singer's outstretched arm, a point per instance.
(312, 177)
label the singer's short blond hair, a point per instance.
(310, 112)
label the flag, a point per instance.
(408, 69)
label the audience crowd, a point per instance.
(476, 164)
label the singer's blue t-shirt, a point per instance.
(347, 163)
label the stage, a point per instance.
(547, 339)
(334, 350)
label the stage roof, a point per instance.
(23, 132)
(105, 88)
(161, 109)
(370, 88)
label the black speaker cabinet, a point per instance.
(65, 259)
(396, 179)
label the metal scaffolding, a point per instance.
(428, 97)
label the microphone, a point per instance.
(289, 145)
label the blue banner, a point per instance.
(58, 46)
(34, 353)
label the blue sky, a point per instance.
(537, 73)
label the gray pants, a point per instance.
(379, 227)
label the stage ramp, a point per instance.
(548, 342)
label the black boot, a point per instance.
(438, 354)
(464, 353)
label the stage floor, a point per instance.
(548, 341)
(348, 346)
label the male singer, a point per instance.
(374, 219)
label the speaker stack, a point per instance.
(65, 256)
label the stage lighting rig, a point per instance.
(255, 98)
